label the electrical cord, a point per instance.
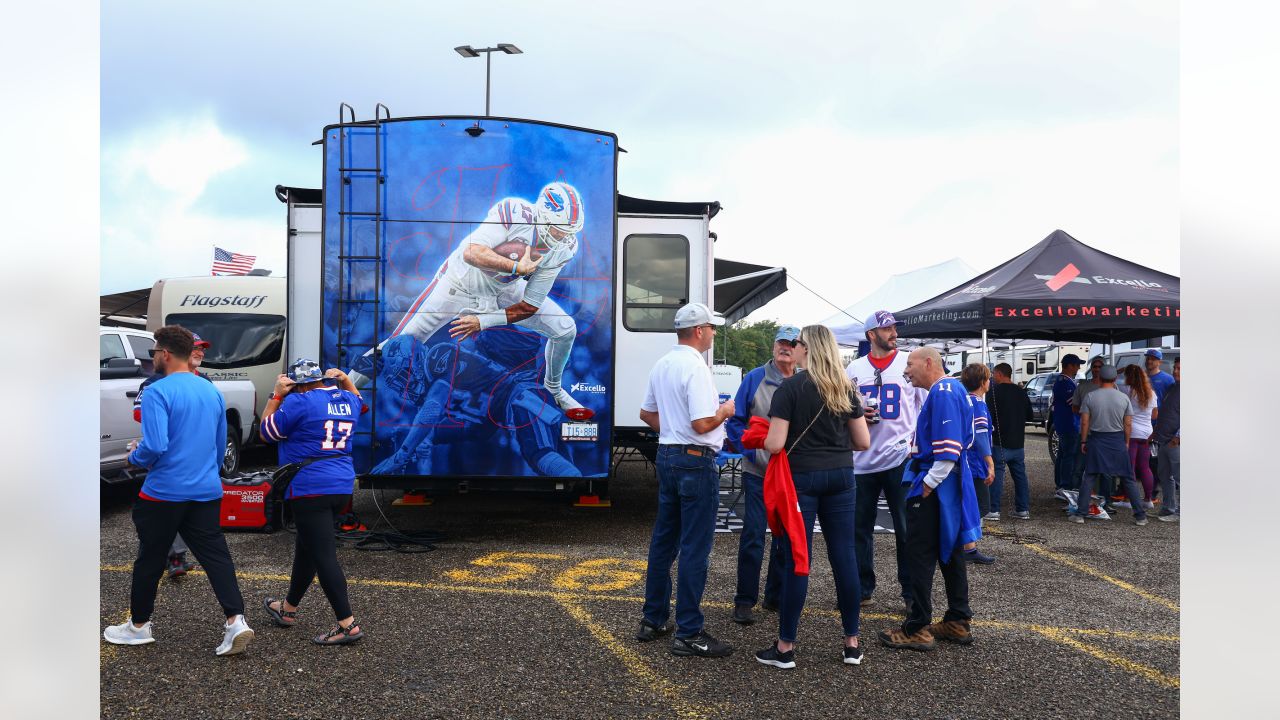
(373, 540)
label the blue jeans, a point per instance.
(869, 487)
(751, 549)
(1015, 458)
(688, 495)
(830, 495)
(1064, 465)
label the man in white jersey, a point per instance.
(892, 407)
(502, 274)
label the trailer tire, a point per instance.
(231, 454)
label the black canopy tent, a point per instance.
(1060, 289)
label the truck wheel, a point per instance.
(231, 456)
(1053, 441)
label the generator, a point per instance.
(249, 504)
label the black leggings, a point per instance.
(316, 551)
(200, 524)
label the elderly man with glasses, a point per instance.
(755, 394)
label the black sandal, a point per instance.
(340, 635)
(282, 618)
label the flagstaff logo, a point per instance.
(246, 301)
(1071, 274)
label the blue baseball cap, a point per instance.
(790, 333)
(1155, 353)
(880, 319)
(1072, 359)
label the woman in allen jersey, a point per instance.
(313, 421)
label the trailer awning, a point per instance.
(131, 304)
(743, 288)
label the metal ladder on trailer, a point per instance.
(355, 263)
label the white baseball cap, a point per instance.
(695, 314)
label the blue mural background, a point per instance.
(439, 185)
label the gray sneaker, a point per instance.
(1172, 517)
(1022, 514)
(992, 516)
(1140, 521)
(235, 637)
(126, 634)
(1079, 519)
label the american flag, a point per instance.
(230, 263)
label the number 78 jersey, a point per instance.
(900, 403)
(316, 424)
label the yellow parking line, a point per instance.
(602, 597)
(1077, 565)
(633, 662)
(1124, 663)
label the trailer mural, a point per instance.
(468, 284)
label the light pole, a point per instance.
(467, 51)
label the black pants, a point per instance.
(316, 551)
(922, 558)
(984, 496)
(199, 522)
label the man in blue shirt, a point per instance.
(941, 508)
(1065, 422)
(1160, 380)
(184, 431)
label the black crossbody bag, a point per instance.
(283, 476)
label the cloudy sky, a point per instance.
(847, 141)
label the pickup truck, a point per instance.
(124, 362)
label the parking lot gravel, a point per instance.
(528, 606)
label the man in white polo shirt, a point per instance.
(683, 406)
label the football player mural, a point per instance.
(476, 351)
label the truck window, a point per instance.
(655, 281)
(109, 346)
(238, 339)
(141, 347)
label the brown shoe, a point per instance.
(956, 631)
(896, 638)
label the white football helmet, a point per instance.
(558, 205)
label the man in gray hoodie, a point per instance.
(754, 397)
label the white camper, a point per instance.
(243, 316)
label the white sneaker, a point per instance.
(1022, 514)
(564, 399)
(993, 516)
(1148, 505)
(235, 638)
(126, 634)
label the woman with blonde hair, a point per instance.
(1142, 401)
(816, 417)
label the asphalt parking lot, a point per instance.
(529, 606)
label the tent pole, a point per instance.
(984, 346)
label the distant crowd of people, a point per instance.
(827, 443)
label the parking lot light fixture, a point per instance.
(467, 51)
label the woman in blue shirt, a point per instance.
(313, 421)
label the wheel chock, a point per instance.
(412, 498)
(592, 501)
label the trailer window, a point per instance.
(237, 339)
(655, 281)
